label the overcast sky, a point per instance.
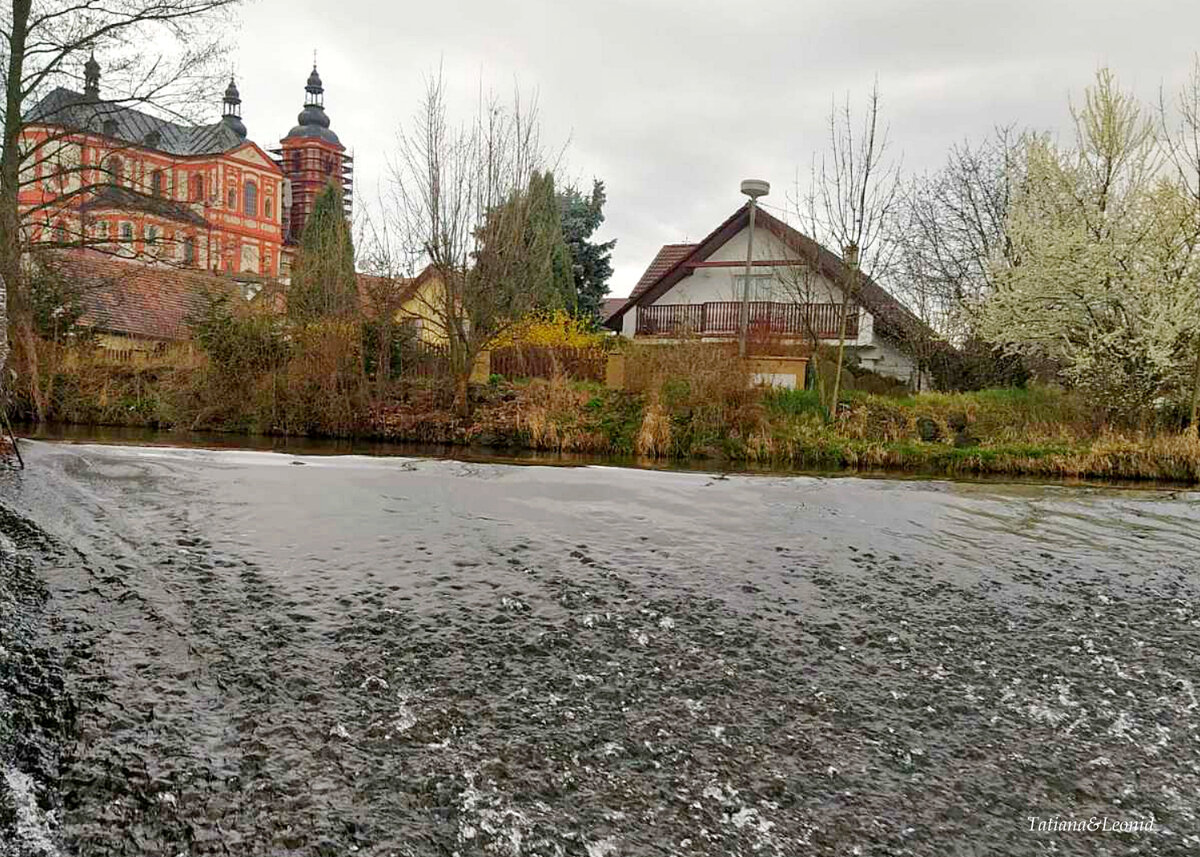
(673, 102)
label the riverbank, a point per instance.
(1036, 432)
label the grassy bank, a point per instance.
(1039, 431)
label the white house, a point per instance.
(796, 296)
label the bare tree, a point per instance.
(952, 232)
(851, 199)
(460, 203)
(159, 53)
(1181, 138)
(386, 284)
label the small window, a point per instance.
(156, 183)
(60, 233)
(189, 250)
(232, 198)
(250, 199)
(126, 231)
(268, 209)
(102, 230)
(762, 287)
(196, 187)
(151, 234)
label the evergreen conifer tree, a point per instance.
(591, 261)
(323, 280)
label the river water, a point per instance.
(274, 654)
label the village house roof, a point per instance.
(138, 299)
(675, 261)
(662, 262)
(79, 112)
(369, 284)
(610, 305)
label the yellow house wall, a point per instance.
(422, 305)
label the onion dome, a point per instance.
(312, 121)
(231, 115)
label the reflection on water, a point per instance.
(304, 654)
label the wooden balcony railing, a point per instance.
(769, 318)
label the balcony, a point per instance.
(767, 318)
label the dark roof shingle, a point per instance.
(76, 111)
(138, 299)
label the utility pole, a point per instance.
(753, 188)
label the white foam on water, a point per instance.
(33, 827)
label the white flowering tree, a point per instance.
(1103, 271)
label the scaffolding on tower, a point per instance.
(308, 170)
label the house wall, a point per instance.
(885, 357)
(236, 238)
(788, 283)
(421, 309)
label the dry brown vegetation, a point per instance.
(690, 400)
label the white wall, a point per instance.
(706, 285)
(884, 357)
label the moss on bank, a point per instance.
(1038, 431)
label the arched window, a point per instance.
(196, 187)
(151, 234)
(232, 198)
(156, 182)
(114, 169)
(250, 199)
(189, 250)
(127, 232)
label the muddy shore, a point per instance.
(261, 654)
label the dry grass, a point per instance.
(551, 415)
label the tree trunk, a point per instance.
(847, 298)
(17, 310)
(1196, 394)
(462, 401)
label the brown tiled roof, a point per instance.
(138, 299)
(663, 262)
(407, 285)
(610, 305)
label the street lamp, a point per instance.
(753, 188)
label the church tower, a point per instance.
(311, 156)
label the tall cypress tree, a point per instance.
(591, 261)
(546, 240)
(323, 280)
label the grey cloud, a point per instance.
(673, 102)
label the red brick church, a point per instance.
(106, 176)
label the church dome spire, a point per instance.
(231, 114)
(313, 121)
(91, 78)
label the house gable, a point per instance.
(250, 153)
(789, 247)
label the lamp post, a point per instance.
(753, 188)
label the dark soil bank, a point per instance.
(276, 655)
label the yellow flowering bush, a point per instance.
(557, 328)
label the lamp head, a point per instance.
(754, 188)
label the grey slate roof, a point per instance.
(74, 110)
(124, 199)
